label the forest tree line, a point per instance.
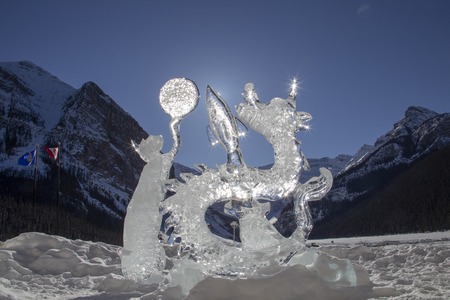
(26, 209)
(416, 200)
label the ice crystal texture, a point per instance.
(178, 97)
(166, 234)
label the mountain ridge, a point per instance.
(419, 134)
(99, 168)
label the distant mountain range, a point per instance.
(400, 184)
(99, 169)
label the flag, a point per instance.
(28, 159)
(52, 152)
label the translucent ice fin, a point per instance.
(223, 126)
(317, 187)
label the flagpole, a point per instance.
(59, 172)
(58, 162)
(35, 174)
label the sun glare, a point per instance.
(294, 87)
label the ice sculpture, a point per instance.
(143, 256)
(166, 233)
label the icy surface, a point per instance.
(143, 256)
(186, 243)
(400, 267)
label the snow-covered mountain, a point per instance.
(418, 133)
(31, 105)
(387, 172)
(96, 135)
(99, 168)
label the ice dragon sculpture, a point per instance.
(165, 232)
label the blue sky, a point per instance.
(360, 63)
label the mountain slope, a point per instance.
(98, 167)
(96, 137)
(417, 135)
(31, 104)
(417, 200)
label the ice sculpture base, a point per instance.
(309, 275)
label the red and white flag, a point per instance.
(52, 152)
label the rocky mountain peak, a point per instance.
(93, 132)
(88, 94)
(92, 90)
(414, 117)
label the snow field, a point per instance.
(40, 266)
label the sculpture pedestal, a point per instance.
(315, 276)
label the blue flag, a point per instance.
(28, 159)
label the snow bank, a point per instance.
(40, 266)
(37, 266)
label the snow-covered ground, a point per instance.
(414, 266)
